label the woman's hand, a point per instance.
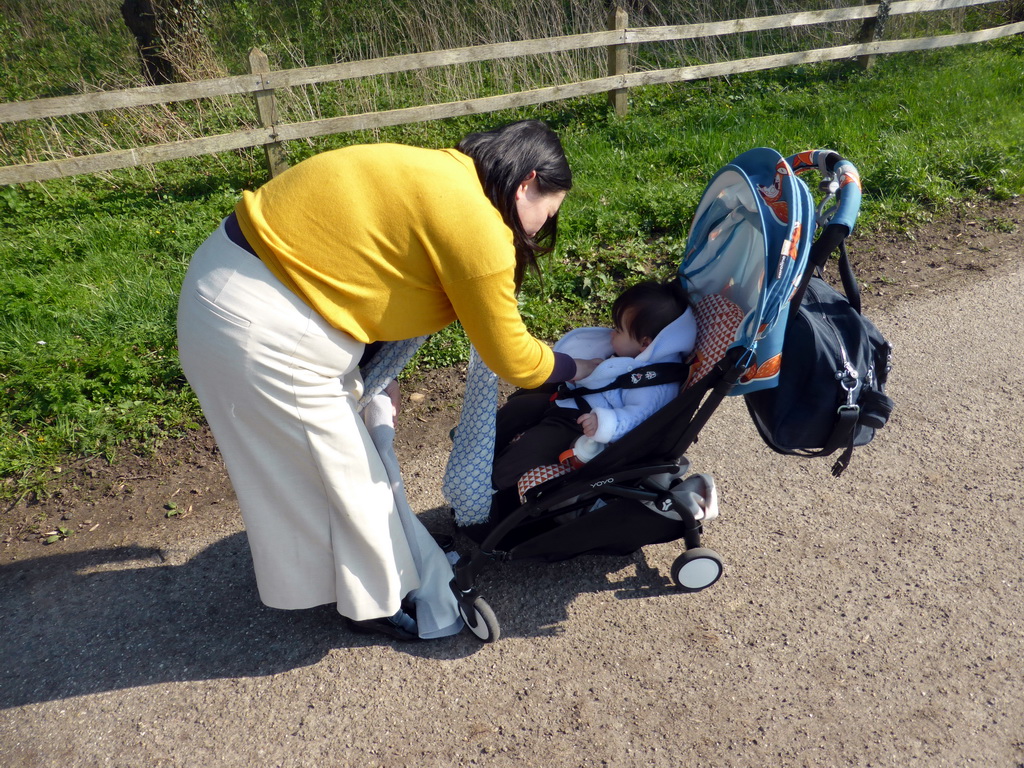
(586, 367)
(589, 423)
(393, 391)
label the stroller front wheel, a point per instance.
(696, 569)
(483, 623)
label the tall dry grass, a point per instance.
(52, 47)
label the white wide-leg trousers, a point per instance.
(279, 386)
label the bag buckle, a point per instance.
(847, 379)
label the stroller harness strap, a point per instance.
(644, 376)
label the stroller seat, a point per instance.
(717, 320)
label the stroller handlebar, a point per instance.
(839, 178)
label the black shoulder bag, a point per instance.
(835, 363)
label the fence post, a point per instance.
(873, 29)
(266, 106)
(618, 62)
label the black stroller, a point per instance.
(748, 247)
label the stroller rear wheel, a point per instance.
(696, 569)
(483, 623)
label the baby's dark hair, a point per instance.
(654, 306)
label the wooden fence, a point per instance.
(262, 82)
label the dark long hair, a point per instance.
(504, 158)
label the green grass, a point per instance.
(90, 266)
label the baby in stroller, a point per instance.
(643, 364)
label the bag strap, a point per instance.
(850, 285)
(842, 437)
(830, 238)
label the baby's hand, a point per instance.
(589, 423)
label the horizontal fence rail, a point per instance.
(262, 84)
(62, 106)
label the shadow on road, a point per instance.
(109, 619)
(531, 598)
(82, 623)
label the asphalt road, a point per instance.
(873, 620)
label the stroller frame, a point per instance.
(623, 486)
(611, 478)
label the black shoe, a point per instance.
(444, 541)
(401, 626)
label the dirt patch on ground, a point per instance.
(168, 497)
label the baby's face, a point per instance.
(623, 344)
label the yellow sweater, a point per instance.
(390, 242)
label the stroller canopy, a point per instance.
(749, 244)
